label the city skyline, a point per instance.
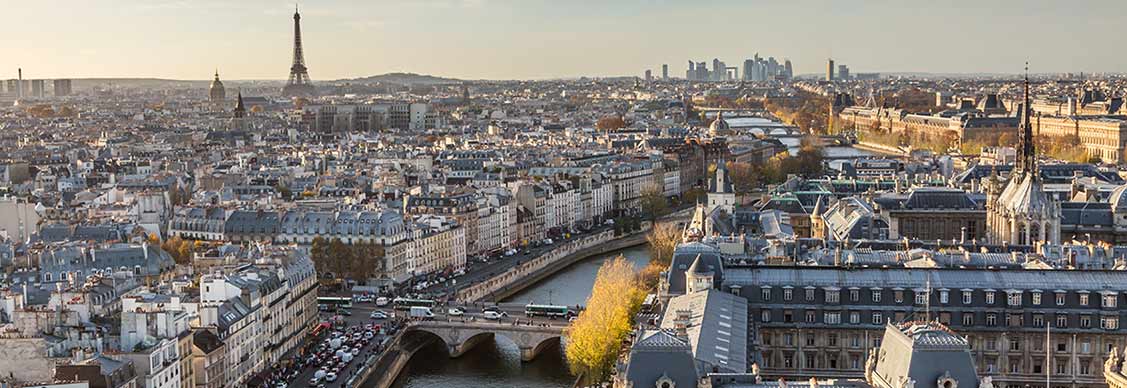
(500, 39)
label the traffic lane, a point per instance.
(308, 371)
(513, 316)
(486, 271)
(477, 271)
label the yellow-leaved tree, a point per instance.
(596, 335)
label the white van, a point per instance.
(421, 312)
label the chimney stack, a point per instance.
(681, 323)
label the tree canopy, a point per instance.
(596, 335)
(610, 123)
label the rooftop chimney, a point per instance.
(681, 323)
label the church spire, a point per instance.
(240, 110)
(1027, 150)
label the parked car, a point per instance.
(382, 301)
(455, 312)
(331, 377)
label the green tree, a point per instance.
(653, 201)
(744, 177)
(318, 252)
(339, 257)
(691, 196)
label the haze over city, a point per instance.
(499, 39)
(563, 194)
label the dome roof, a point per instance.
(216, 91)
(216, 83)
(718, 126)
(1118, 198)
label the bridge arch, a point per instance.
(459, 339)
(544, 344)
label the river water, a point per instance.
(497, 364)
(758, 126)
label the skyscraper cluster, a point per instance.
(842, 71)
(20, 88)
(754, 69)
(760, 69)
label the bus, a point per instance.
(332, 303)
(546, 310)
(407, 304)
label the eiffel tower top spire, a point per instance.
(299, 83)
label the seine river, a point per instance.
(497, 364)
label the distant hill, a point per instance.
(404, 79)
(86, 83)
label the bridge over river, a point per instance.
(461, 335)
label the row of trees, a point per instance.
(356, 261)
(747, 177)
(46, 111)
(744, 102)
(808, 111)
(1065, 148)
(626, 224)
(596, 336)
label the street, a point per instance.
(476, 271)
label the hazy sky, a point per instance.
(507, 39)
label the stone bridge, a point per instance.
(460, 337)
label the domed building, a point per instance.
(719, 127)
(216, 93)
(1118, 201)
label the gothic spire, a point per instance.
(1027, 152)
(240, 110)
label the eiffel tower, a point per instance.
(299, 84)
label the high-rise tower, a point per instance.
(299, 83)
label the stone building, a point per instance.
(1022, 213)
(933, 214)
